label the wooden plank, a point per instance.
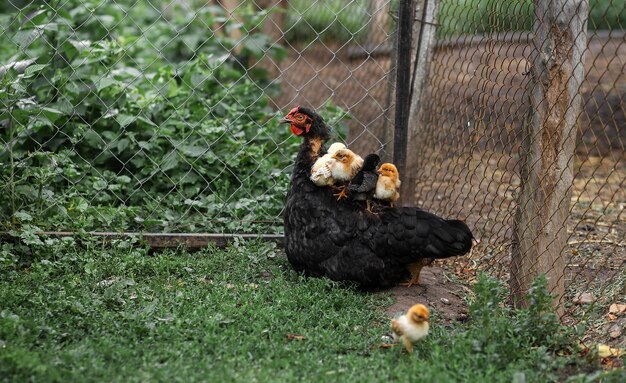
(170, 240)
(540, 226)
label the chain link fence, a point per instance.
(162, 116)
(471, 148)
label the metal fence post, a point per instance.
(540, 231)
(403, 88)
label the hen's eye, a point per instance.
(299, 117)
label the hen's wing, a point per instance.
(408, 234)
(377, 248)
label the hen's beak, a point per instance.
(284, 120)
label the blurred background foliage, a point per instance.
(152, 114)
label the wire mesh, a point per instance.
(470, 147)
(161, 116)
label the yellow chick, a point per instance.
(347, 164)
(411, 327)
(320, 171)
(388, 183)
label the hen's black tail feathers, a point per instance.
(451, 239)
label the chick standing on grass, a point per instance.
(320, 171)
(411, 327)
(388, 184)
(347, 164)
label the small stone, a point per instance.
(386, 339)
(583, 298)
(445, 301)
(615, 331)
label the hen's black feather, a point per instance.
(344, 242)
(363, 185)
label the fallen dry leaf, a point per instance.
(617, 308)
(583, 298)
(612, 317)
(610, 362)
(605, 351)
(387, 345)
(295, 337)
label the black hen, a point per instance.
(363, 185)
(342, 240)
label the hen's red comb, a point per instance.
(294, 109)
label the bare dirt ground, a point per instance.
(465, 162)
(436, 290)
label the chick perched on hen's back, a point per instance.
(321, 169)
(388, 183)
(412, 326)
(363, 185)
(347, 164)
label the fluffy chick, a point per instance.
(320, 171)
(411, 327)
(347, 164)
(362, 186)
(388, 184)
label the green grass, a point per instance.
(93, 313)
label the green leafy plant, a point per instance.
(119, 119)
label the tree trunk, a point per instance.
(274, 27)
(424, 28)
(230, 6)
(379, 31)
(274, 23)
(540, 228)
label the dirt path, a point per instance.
(437, 291)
